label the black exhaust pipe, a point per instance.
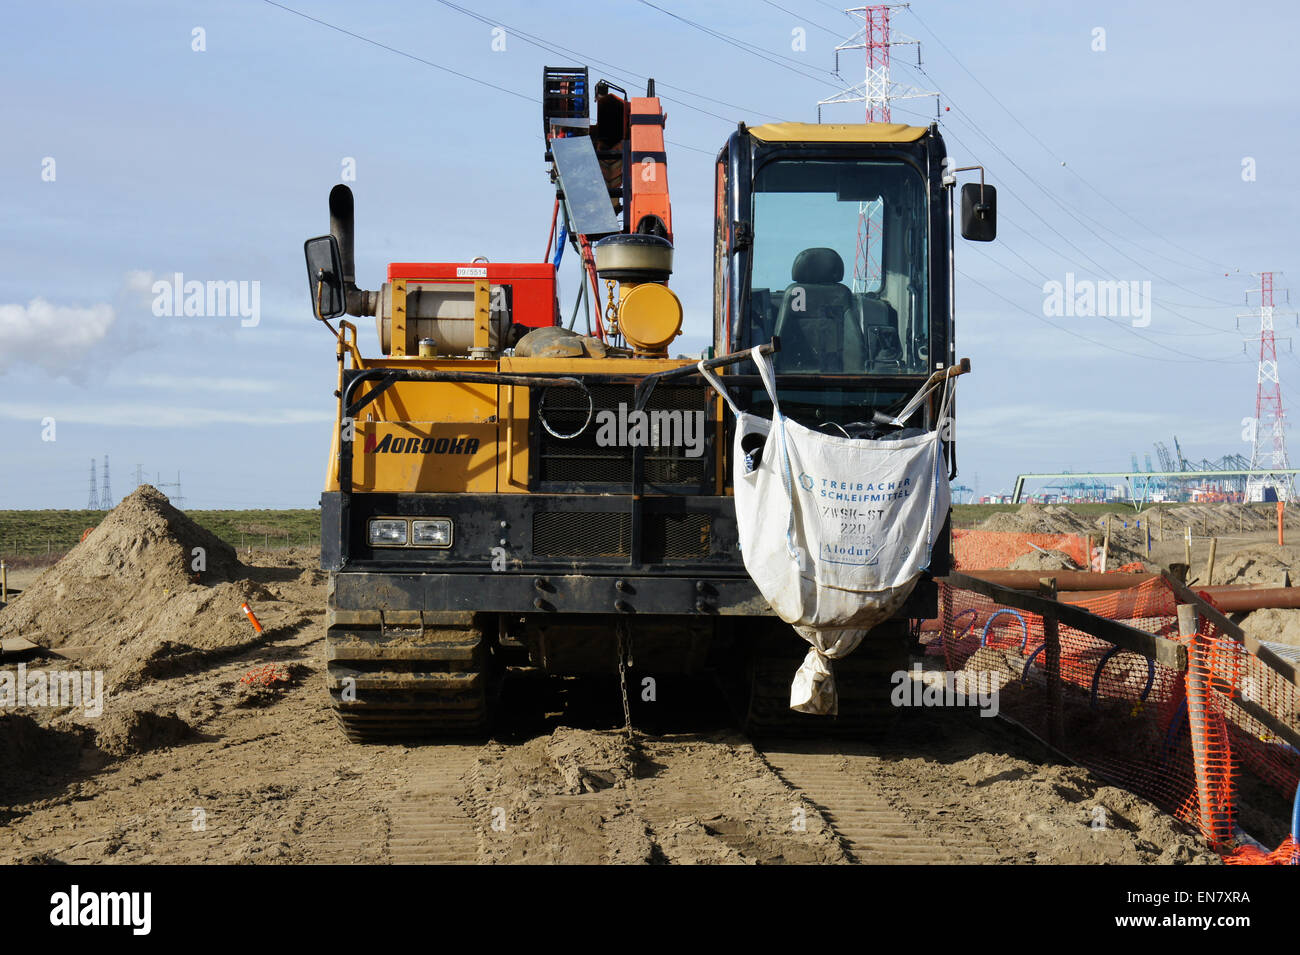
(342, 227)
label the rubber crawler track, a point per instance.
(407, 677)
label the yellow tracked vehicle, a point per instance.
(507, 490)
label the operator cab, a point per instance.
(837, 240)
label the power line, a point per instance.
(409, 56)
(543, 44)
(1065, 208)
(876, 91)
(446, 69)
(801, 17)
(831, 6)
(774, 58)
(1093, 262)
(1088, 258)
(1053, 197)
(1215, 329)
(1119, 324)
(1049, 151)
(1062, 328)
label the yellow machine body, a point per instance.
(452, 437)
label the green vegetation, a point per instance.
(38, 533)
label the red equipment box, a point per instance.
(532, 284)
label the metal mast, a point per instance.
(1268, 450)
(875, 92)
(106, 495)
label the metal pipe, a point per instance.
(1236, 601)
(1227, 599)
(646, 385)
(342, 226)
(1065, 579)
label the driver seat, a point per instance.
(817, 321)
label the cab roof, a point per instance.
(837, 132)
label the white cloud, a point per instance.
(139, 282)
(55, 337)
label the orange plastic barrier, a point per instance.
(1288, 853)
(983, 550)
(1181, 739)
(267, 675)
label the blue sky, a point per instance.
(217, 163)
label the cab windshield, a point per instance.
(839, 267)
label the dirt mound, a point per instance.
(1221, 519)
(590, 762)
(1274, 625)
(1044, 560)
(1127, 534)
(1261, 564)
(148, 593)
(312, 578)
(1037, 519)
(145, 538)
(26, 743)
(138, 731)
(1071, 815)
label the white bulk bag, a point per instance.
(835, 531)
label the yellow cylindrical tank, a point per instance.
(649, 316)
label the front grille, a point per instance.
(581, 460)
(582, 534)
(677, 537)
(608, 534)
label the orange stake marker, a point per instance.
(248, 612)
(1280, 508)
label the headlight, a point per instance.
(389, 533)
(435, 533)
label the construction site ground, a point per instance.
(189, 764)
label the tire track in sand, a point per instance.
(841, 784)
(427, 824)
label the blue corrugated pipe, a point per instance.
(1024, 627)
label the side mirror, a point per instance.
(325, 277)
(979, 212)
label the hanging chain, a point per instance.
(624, 631)
(611, 307)
(624, 662)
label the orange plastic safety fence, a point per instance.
(267, 675)
(981, 550)
(1207, 679)
(1288, 853)
(1180, 739)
